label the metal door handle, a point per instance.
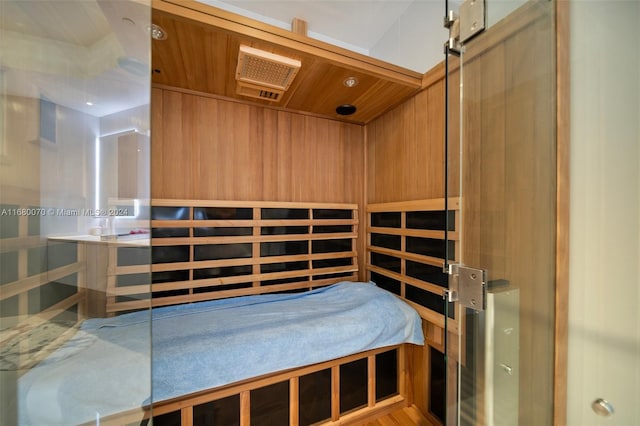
(602, 407)
(507, 369)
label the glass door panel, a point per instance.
(501, 165)
(73, 76)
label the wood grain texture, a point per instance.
(201, 53)
(207, 148)
(452, 145)
(405, 149)
(418, 379)
(407, 416)
(563, 138)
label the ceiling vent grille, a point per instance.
(263, 74)
(255, 91)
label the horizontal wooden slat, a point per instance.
(181, 266)
(21, 243)
(34, 320)
(414, 205)
(433, 261)
(251, 204)
(420, 233)
(211, 282)
(238, 239)
(424, 285)
(26, 284)
(249, 223)
(132, 269)
(176, 266)
(221, 294)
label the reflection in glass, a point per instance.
(74, 165)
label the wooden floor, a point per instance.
(404, 417)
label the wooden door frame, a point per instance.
(562, 206)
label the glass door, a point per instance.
(501, 169)
(74, 179)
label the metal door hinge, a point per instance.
(472, 19)
(452, 23)
(468, 286)
(462, 28)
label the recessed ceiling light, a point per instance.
(157, 33)
(89, 103)
(350, 82)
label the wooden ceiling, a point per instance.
(201, 52)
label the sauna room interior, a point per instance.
(229, 213)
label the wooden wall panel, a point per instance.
(157, 141)
(171, 160)
(435, 139)
(405, 149)
(216, 149)
(563, 202)
(284, 149)
(208, 148)
(453, 129)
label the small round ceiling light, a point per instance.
(157, 33)
(346, 109)
(350, 82)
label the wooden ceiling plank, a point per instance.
(209, 15)
(201, 53)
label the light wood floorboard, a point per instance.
(408, 416)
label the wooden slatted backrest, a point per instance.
(406, 246)
(204, 250)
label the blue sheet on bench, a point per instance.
(104, 368)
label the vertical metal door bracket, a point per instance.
(468, 286)
(472, 21)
